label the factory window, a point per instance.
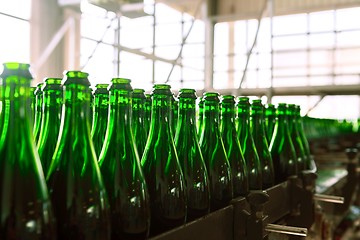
(14, 22)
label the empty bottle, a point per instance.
(215, 157)
(121, 170)
(295, 138)
(148, 104)
(38, 111)
(174, 113)
(75, 184)
(161, 167)
(25, 207)
(200, 119)
(138, 119)
(309, 163)
(190, 157)
(233, 148)
(248, 146)
(100, 116)
(270, 121)
(50, 125)
(261, 144)
(32, 102)
(281, 147)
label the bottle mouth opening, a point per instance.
(16, 69)
(187, 93)
(162, 89)
(138, 90)
(16, 66)
(76, 77)
(162, 86)
(101, 88)
(52, 81)
(120, 80)
(228, 99)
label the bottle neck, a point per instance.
(120, 104)
(39, 102)
(16, 108)
(186, 120)
(101, 106)
(138, 107)
(258, 123)
(227, 112)
(244, 117)
(160, 112)
(211, 113)
(282, 122)
(52, 99)
(187, 110)
(77, 102)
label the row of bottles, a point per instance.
(127, 167)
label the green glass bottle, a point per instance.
(76, 187)
(50, 125)
(200, 121)
(233, 148)
(281, 147)
(261, 143)
(138, 119)
(32, 102)
(100, 116)
(2, 107)
(309, 163)
(270, 121)
(190, 157)
(38, 111)
(25, 207)
(148, 104)
(91, 107)
(248, 146)
(161, 167)
(295, 138)
(121, 170)
(174, 113)
(215, 157)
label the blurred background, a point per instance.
(303, 52)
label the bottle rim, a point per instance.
(76, 77)
(138, 90)
(101, 88)
(16, 69)
(186, 93)
(228, 99)
(52, 81)
(52, 84)
(120, 84)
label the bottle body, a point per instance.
(282, 149)
(309, 163)
(75, 184)
(212, 147)
(121, 170)
(232, 147)
(270, 121)
(138, 121)
(191, 159)
(161, 167)
(25, 208)
(50, 125)
(100, 116)
(38, 111)
(248, 146)
(261, 144)
(296, 140)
